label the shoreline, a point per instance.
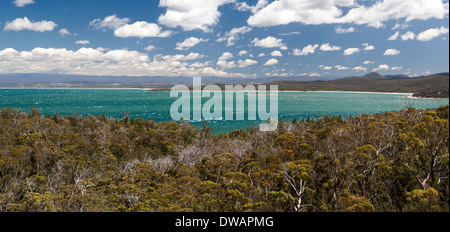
(57, 88)
(155, 89)
(336, 91)
(149, 89)
(428, 97)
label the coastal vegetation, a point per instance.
(435, 86)
(387, 162)
(432, 94)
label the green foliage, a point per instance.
(281, 201)
(423, 200)
(395, 161)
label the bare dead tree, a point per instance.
(299, 189)
(407, 102)
(289, 127)
(162, 165)
(191, 155)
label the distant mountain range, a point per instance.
(371, 82)
(374, 82)
(56, 80)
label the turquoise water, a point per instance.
(156, 105)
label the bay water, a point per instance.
(140, 103)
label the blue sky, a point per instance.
(230, 38)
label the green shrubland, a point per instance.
(387, 162)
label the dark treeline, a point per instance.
(394, 161)
(373, 82)
(433, 94)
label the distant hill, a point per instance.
(372, 76)
(443, 74)
(399, 76)
(372, 82)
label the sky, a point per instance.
(224, 38)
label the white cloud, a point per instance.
(341, 30)
(189, 43)
(82, 42)
(191, 56)
(400, 26)
(315, 74)
(274, 73)
(360, 68)
(226, 56)
(261, 55)
(150, 48)
(226, 64)
(381, 11)
(239, 31)
(89, 61)
(64, 32)
(276, 53)
(191, 14)
(221, 39)
(280, 73)
(327, 47)
(350, 51)
(111, 22)
(391, 52)
(20, 24)
(339, 67)
(394, 36)
(271, 62)
(368, 62)
(431, 33)
(222, 62)
(310, 49)
(243, 6)
(247, 62)
(46, 60)
(234, 34)
(101, 49)
(141, 30)
(200, 64)
(397, 68)
(290, 33)
(242, 53)
(408, 36)
(281, 12)
(381, 67)
(368, 47)
(22, 3)
(269, 42)
(125, 55)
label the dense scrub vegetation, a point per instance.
(395, 161)
(372, 82)
(433, 94)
